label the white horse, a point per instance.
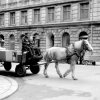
(70, 53)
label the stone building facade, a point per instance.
(51, 22)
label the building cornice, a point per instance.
(41, 5)
(73, 24)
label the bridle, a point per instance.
(84, 45)
(76, 52)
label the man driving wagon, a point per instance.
(27, 44)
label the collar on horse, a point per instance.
(82, 51)
(70, 54)
(75, 52)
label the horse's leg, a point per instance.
(45, 70)
(72, 67)
(57, 69)
(67, 72)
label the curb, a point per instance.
(11, 89)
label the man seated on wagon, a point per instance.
(26, 44)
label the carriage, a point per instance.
(7, 57)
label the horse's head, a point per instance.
(87, 46)
(82, 46)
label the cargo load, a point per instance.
(11, 55)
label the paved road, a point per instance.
(87, 87)
(7, 86)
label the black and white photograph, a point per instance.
(49, 49)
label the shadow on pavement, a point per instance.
(12, 74)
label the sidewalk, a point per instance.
(7, 87)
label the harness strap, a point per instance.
(69, 54)
(75, 53)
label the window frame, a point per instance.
(14, 19)
(24, 17)
(3, 19)
(82, 18)
(33, 16)
(63, 12)
(48, 21)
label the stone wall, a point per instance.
(94, 37)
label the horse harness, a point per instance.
(75, 52)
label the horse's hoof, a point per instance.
(64, 75)
(46, 76)
(74, 78)
(61, 76)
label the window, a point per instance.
(2, 2)
(12, 18)
(36, 15)
(25, 1)
(24, 17)
(84, 11)
(1, 19)
(66, 12)
(36, 0)
(12, 42)
(12, 1)
(51, 14)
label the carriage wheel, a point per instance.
(20, 70)
(7, 66)
(34, 68)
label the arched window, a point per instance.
(49, 40)
(1, 40)
(52, 40)
(36, 40)
(65, 39)
(83, 35)
(12, 42)
(20, 41)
